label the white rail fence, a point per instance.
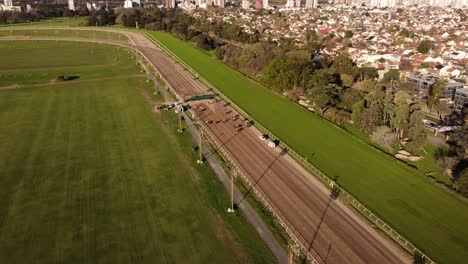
(384, 226)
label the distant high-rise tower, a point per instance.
(311, 4)
(245, 4)
(266, 5)
(170, 3)
(258, 4)
(298, 3)
(71, 5)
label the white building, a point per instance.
(265, 4)
(8, 6)
(132, 3)
(290, 3)
(71, 5)
(170, 3)
(311, 4)
(245, 4)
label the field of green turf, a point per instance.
(89, 174)
(53, 22)
(434, 219)
(24, 63)
(63, 33)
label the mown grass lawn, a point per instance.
(64, 33)
(23, 63)
(89, 174)
(52, 22)
(429, 216)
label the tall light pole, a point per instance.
(231, 209)
(200, 158)
(293, 251)
(180, 122)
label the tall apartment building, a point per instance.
(258, 4)
(311, 4)
(170, 3)
(71, 5)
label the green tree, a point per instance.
(348, 34)
(435, 90)
(219, 52)
(325, 97)
(459, 141)
(347, 80)
(356, 111)
(416, 131)
(462, 182)
(280, 75)
(366, 73)
(400, 121)
(320, 79)
(342, 65)
(349, 97)
(392, 74)
(404, 32)
(424, 46)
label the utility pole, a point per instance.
(180, 122)
(200, 159)
(293, 250)
(231, 209)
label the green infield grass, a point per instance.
(63, 33)
(88, 173)
(26, 62)
(52, 22)
(431, 217)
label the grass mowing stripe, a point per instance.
(431, 217)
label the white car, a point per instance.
(272, 144)
(263, 137)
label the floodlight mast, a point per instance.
(180, 123)
(200, 159)
(231, 209)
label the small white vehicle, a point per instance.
(263, 137)
(272, 144)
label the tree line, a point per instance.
(41, 11)
(335, 87)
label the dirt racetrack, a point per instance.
(331, 232)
